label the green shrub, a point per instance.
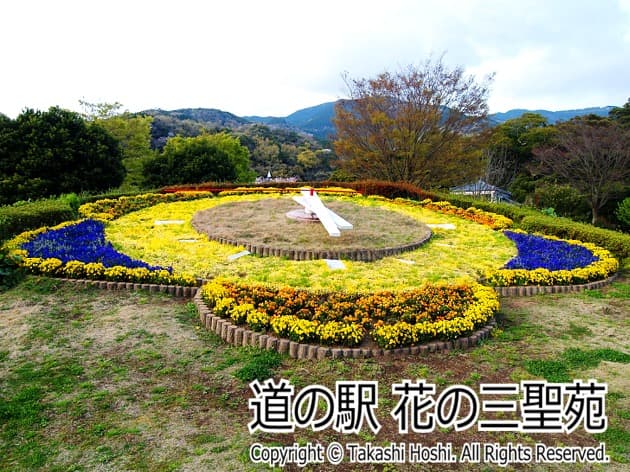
(623, 212)
(515, 212)
(616, 242)
(72, 200)
(10, 270)
(551, 211)
(16, 219)
(564, 199)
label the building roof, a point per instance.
(480, 186)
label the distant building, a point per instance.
(269, 178)
(484, 189)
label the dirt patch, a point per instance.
(264, 224)
(12, 322)
(128, 322)
(617, 376)
(562, 320)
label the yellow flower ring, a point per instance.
(458, 249)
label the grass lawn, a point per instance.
(96, 380)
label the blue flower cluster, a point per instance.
(536, 252)
(84, 242)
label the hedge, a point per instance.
(91, 198)
(215, 187)
(383, 188)
(615, 242)
(392, 190)
(515, 212)
(112, 208)
(17, 219)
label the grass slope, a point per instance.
(95, 380)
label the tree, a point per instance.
(132, 131)
(237, 154)
(621, 115)
(508, 152)
(209, 157)
(277, 150)
(307, 158)
(54, 152)
(591, 155)
(623, 212)
(99, 111)
(409, 125)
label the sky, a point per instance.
(273, 57)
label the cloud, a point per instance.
(273, 57)
(573, 58)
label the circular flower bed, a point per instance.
(431, 294)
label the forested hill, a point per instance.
(286, 151)
(203, 115)
(315, 121)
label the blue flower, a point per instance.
(84, 242)
(535, 252)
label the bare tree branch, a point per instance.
(409, 126)
(592, 156)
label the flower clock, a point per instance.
(441, 290)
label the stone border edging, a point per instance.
(190, 292)
(361, 254)
(529, 290)
(178, 291)
(240, 336)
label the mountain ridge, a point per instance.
(552, 116)
(317, 120)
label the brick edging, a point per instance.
(360, 254)
(240, 336)
(528, 290)
(174, 290)
(190, 292)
